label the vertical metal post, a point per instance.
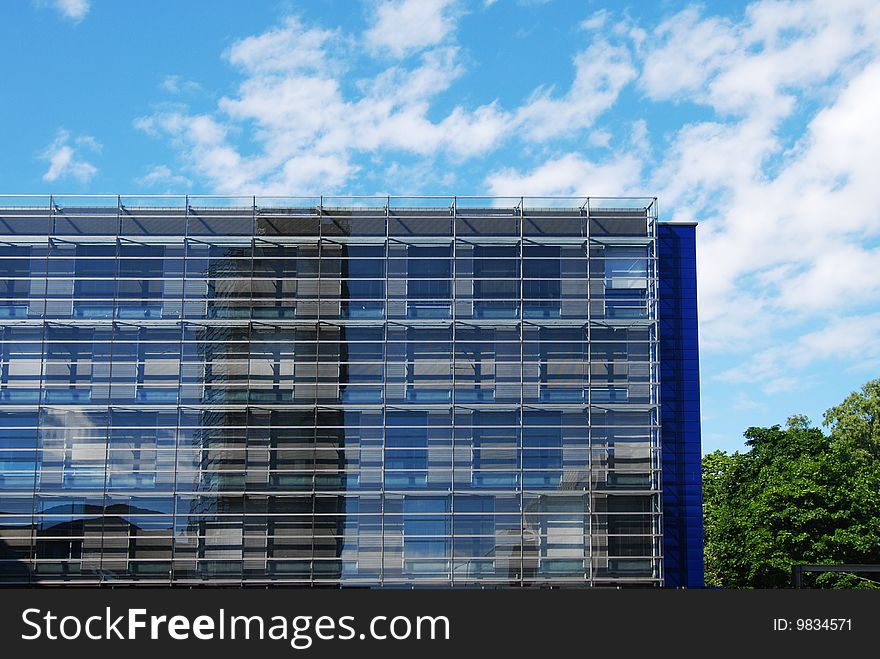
(658, 546)
(384, 398)
(247, 400)
(317, 384)
(520, 452)
(453, 272)
(588, 394)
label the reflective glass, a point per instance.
(329, 396)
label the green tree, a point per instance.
(796, 496)
(857, 419)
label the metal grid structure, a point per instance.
(329, 391)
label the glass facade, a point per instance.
(354, 392)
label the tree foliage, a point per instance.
(857, 419)
(796, 496)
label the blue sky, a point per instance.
(760, 120)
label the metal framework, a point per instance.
(797, 571)
(330, 391)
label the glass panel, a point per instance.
(336, 393)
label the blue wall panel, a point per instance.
(680, 406)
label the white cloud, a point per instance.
(690, 50)
(751, 67)
(161, 175)
(65, 160)
(288, 48)
(305, 125)
(814, 220)
(176, 84)
(601, 71)
(403, 26)
(846, 339)
(596, 21)
(307, 130)
(572, 174)
(770, 254)
(72, 10)
(789, 239)
(569, 175)
(600, 138)
(202, 142)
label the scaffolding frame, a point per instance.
(235, 221)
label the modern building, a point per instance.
(481, 392)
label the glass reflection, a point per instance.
(346, 397)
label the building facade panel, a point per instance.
(392, 392)
(680, 407)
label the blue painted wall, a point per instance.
(680, 406)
